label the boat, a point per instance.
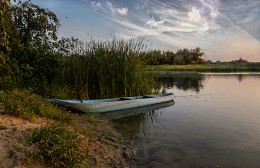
(114, 104)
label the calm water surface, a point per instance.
(215, 122)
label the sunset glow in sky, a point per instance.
(224, 29)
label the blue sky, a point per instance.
(224, 29)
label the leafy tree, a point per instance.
(36, 30)
(34, 23)
(26, 42)
(169, 57)
(4, 26)
(197, 56)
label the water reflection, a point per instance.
(218, 125)
(136, 122)
(193, 82)
(135, 111)
(239, 76)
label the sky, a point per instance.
(224, 29)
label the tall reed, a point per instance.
(107, 69)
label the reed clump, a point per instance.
(105, 69)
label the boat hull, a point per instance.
(108, 105)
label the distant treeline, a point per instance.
(239, 61)
(181, 57)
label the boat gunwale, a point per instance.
(121, 99)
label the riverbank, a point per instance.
(253, 67)
(105, 147)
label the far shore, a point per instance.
(253, 67)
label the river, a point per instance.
(215, 122)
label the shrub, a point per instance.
(27, 105)
(59, 145)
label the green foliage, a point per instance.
(59, 145)
(105, 69)
(34, 23)
(26, 45)
(27, 105)
(6, 27)
(181, 57)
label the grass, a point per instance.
(58, 145)
(106, 69)
(205, 68)
(25, 104)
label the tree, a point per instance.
(6, 27)
(34, 23)
(26, 42)
(197, 56)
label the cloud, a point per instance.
(122, 11)
(95, 5)
(212, 6)
(194, 15)
(114, 10)
(152, 23)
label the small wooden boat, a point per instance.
(115, 104)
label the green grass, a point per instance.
(25, 104)
(58, 145)
(205, 68)
(106, 69)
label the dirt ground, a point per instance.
(105, 147)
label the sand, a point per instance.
(105, 147)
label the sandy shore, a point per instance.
(105, 147)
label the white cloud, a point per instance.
(152, 23)
(205, 26)
(95, 5)
(197, 20)
(194, 15)
(114, 10)
(122, 11)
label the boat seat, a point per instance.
(147, 96)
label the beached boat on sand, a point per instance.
(115, 104)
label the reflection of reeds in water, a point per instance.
(141, 120)
(107, 69)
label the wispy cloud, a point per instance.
(95, 5)
(114, 10)
(212, 6)
(152, 23)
